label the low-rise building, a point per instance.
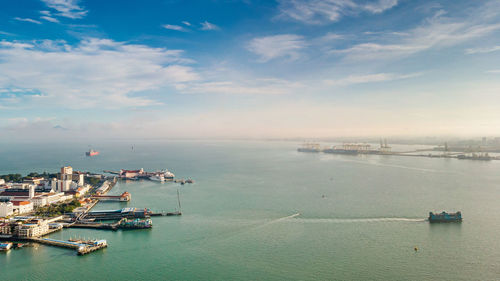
(5, 228)
(23, 207)
(30, 230)
(6, 209)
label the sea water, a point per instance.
(263, 211)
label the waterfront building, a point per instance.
(5, 228)
(6, 209)
(23, 207)
(30, 230)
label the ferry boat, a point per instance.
(135, 224)
(92, 152)
(5, 246)
(445, 217)
(158, 177)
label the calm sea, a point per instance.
(360, 216)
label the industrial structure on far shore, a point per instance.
(463, 153)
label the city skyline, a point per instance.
(248, 69)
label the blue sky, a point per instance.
(281, 68)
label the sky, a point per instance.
(74, 69)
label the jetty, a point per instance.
(82, 247)
(124, 197)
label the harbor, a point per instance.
(34, 228)
(444, 151)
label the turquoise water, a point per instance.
(239, 223)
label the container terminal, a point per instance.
(384, 149)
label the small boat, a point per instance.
(5, 246)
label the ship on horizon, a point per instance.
(92, 152)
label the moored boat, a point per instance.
(5, 246)
(159, 178)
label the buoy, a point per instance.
(416, 249)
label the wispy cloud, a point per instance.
(95, 71)
(186, 23)
(51, 19)
(208, 26)
(370, 78)
(324, 11)
(493, 71)
(174, 27)
(27, 20)
(436, 32)
(67, 8)
(482, 50)
(254, 87)
(277, 46)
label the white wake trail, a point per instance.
(359, 220)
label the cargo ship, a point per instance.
(445, 217)
(92, 152)
(309, 147)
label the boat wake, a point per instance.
(279, 220)
(356, 220)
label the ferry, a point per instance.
(92, 152)
(445, 217)
(158, 177)
(5, 246)
(135, 224)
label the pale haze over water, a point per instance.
(238, 218)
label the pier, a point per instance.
(124, 197)
(82, 247)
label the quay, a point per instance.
(124, 197)
(82, 247)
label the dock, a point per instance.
(124, 197)
(82, 247)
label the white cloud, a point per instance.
(482, 50)
(324, 11)
(493, 71)
(186, 23)
(94, 72)
(436, 32)
(252, 87)
(27, 20)
(173, 27)
(330, 36)
(67, 8)
(51, 19)
(369, 78)
(380, 6)
(277, 46)
(208, 26)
